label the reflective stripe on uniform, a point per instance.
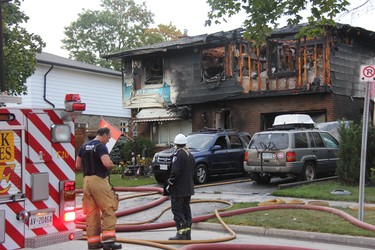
(109, 234)
(93, 239)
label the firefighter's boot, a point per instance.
(181, 231)
(188, 230)
(111, 245)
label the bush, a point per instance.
(349, 163)
(144, 147)
(116, 154)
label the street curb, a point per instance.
(357, 241)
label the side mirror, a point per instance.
(216, 147)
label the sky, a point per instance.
(49, 17)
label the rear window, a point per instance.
(269, 141)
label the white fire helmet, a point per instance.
(180, 139)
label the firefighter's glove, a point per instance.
(169, 182)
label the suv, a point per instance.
(216, 152)
(292, 147)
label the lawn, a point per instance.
(322, 191)
(309, 220)
(118, 181)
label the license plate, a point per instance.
(163, 167)
(267, 155)
(40, 220)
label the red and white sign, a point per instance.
(115, 133)
(367, 73)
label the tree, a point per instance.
(263, 16)
(121, 25)
(20, 49)
(162, 33)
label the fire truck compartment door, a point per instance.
(39, 137)
(10, 226)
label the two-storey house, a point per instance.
(222, 80)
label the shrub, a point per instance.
(349, 163)
(116, 154)
(144, 147)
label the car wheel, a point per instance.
(161, 178)
(308, 172)
(201, 174)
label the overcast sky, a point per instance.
(49, 17)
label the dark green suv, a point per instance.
(216, 152)
(297, 149)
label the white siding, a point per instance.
(102, 93)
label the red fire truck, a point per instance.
(37, 175)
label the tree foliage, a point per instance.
(348, 165)
(120, 25)
(20, 49)
(263, 16)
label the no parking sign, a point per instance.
(367, 73)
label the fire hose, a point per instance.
(200, 244)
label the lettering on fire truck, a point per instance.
(6, 155)
(62, 154)
(6, 146)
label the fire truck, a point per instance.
(37, 175)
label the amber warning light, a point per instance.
(73, 103)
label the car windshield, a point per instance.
(199, 141)
(269, 141)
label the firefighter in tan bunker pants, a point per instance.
(99, 200)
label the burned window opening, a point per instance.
(283, 57)
(213, 69)
(153, 70)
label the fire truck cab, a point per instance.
(37, 175)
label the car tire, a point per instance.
(201, 174)
(308, 172)
(160, 178)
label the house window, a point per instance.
(213, 63)
(124, 126)
(153, 67)
(282, 57)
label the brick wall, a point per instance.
(246, 114)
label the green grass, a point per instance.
(118, 181)
(309, 220)
(322, 191)
(301, 220)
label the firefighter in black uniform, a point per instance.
(180, 186)
(99, 201)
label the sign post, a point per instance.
(367, 75)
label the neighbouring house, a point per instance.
(222, 80)
(99, 88)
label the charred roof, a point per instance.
(183, 42)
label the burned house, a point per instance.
(221, 80)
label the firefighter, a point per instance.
(99, 199)
(180, 186)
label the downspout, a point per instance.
(45, 87)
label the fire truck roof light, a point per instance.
(79, 106)
(72, 98)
